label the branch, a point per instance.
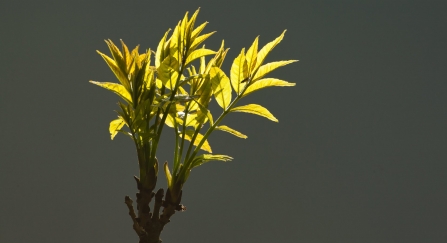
(139, 230)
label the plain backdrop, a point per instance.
(359, 153)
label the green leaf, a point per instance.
(239, 71)
(220, 84)
(204, 158)
(269, 67)
(264, 83)
(188, 136)
(255, 109)
(231, 130)
(115, 126)
(197, 54)
(116, 88)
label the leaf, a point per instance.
(116, 70)
(197, 54)
(220, 84)
(159, 55)
(204, 158)
(197, 41)
(220, 56)
(239, 71)
(231, 130)
(174, 41)
(126, 55)
(115, 126)
(262, 54)
(169, 119)
(188, 136)
(117, 56)
(269, 67)
(196, 32)
(202, 113)
(116, 88)
(167, 72)
(255, 109)
(265, 83)
(252, 55)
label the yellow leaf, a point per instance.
(255, 109)
(116, 70)
(188, 136)
(264, 83)
(174, 43)
(220, 56)
(169, 120)
(269, 67)
(252, 55)
(196, 32)
(197, 41)
(197, 54)
(192, 21)
(239, 71)
(231, 130)
(201, 159)
(262, 54)
(167, 72)
(126, 55)
(220, 84)
(116, 88)
(115, 125)
(119, 60)
(159, 55)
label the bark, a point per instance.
(148, 226)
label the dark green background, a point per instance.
(359, 154)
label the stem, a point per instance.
(211, 128)
(177, 162)
(165, 114)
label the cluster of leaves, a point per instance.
(175, 93)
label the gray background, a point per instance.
(359, 154)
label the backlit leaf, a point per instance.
(264, 83)
(262, 54)
(197, 41)
(190, 133)
(116, 88)
(267, 68)
(255, 109)
(116, 70)
(197, 54)
(239, 71)
(159, 55)
(115, 126)
(200, 160)
(220, 84)
(231, 130)
(168, 72)
(252, 55)
(117, 56)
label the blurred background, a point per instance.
(359, 153)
